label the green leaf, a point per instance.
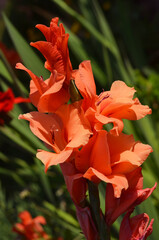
(99, 37)
(13, 175)
(14, 136)
(9, 76)
(146, 126)
(63, 215)
(30, 59)
(4, 72)
(44, 180)
(81, 54)
(87, 25)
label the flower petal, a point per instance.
(118, 181)
(84, 79)
(120, 89)
(41, 125)
(77, 126)
(50, 159)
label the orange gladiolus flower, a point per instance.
(133, 196)
(63, 131)
(135, 228)
(110, 158)
(50, 94)
(30, 227)
(110, 106)
(74, 133)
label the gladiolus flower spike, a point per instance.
(73, 132)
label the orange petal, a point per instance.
(77, 127)
(135, 157)
(119, 90)
(52, 55)
(100, 156)
(118, 181)
(116, 107)
(119, 144)
(134, 112)
(82, 160)
(45, 30)
(84, 79)
(39, 83)
(139, 110)
(124, 167)
(50, 159)
(41, 125)
(34, 94)
(118, 123)
(120, 103)
(51, 102)
(142, 150)
(54, 97)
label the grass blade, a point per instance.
(28, 56)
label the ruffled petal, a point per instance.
(84, 79)
(120, 89)
(77, 127)
(118, 123)
(52, 55)
(41, 125)
(39, 83)
(55, 96)
(50, 159)
(118, 181)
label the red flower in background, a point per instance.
(31, 228)
(10, 54)
(135, 228)
(7, 101)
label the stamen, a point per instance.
(55, 147)
(41, 77)
(105, 97)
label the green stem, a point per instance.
(104, 232)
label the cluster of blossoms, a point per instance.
(31, 228)
(70, 121)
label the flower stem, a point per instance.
(104, 233)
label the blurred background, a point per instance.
(121, 38)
